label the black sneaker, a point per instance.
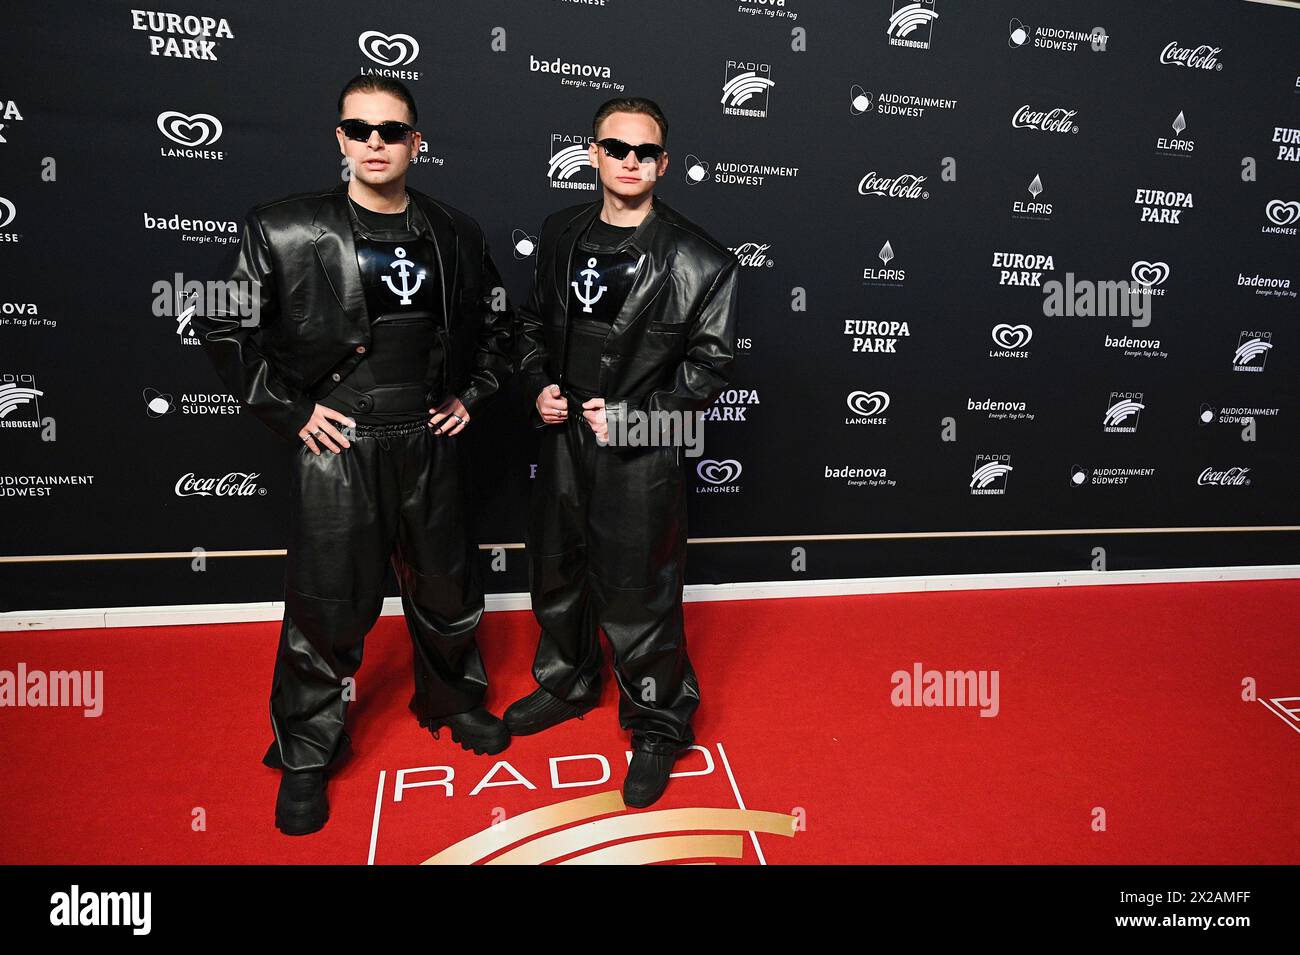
(475, 729)
(540, 710)
(301, 806)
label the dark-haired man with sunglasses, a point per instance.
(631, 319)
(383, 329)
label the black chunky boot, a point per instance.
(475, 729)
(540, 710)
(301, 806)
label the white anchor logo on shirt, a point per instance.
(403, 266)
(590, 276)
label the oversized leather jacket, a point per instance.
(673, 343)
(298, 256)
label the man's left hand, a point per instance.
(448, 418)
(593, 412)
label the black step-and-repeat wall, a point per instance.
(1007, 267)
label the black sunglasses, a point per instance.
(391, 131)
(617, 149)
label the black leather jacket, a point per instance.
(297, 255)
(673, 343)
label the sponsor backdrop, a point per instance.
(1019, 285)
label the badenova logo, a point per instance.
(990, 474)
(589, 75)
(391, 51)
(191, 131)
(1058, 119)
(1001, 409)
(199, 231)
(1010, 340)
(1161, 206)
(746, 88)
(233, 484)
(568, 157)
(1267, 285)
(1251, 353)
(1123, 411)
(1203, 57)
(1282, 215)
(1229, 477)
(905, 185)
(858, 476)
(719, 477)
(867, 407)
(911, 24)
(187, 37)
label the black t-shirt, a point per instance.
(601, 280)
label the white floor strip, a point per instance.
(191, 614)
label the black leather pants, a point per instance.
(607, 548)
(390, 496)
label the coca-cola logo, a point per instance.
(1225, 477)
(903, 186)
(1057, 120)
(753, 254)
(234, 484)
(1201, 57)
(718, 472)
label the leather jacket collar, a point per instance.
(338, 253)
(648, 241)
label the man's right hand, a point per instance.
(552, 405)
(320, 429)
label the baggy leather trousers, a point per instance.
(607, 548)
(398, 493)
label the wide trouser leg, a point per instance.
(568, 659)
(343, 521)
(636, 525)
(436, 562)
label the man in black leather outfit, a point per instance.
(383, 328)
(631, 319)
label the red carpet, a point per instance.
(1125, 701)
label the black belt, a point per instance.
(392, 430)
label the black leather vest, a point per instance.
(402, 373)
